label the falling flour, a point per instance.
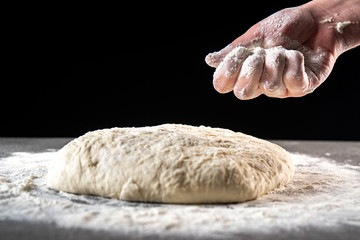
(323, 193)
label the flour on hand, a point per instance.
(341, 25)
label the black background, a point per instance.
(74, 69)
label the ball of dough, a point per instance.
(171, 163)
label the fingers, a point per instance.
(226, 73)
(275, 72)
(284, 74)
(295, 78)
(271, 82)
(247, 85)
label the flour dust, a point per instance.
(323, 193)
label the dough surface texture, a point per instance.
(171, 163)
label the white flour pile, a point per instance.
(322, 193)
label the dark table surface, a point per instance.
(341, 152)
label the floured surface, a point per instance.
(322, 194)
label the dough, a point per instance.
(171, 163)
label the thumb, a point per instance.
(214, 59)
(248, 39)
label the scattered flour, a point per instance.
(328, 20)
(322, 193)
(341, 25)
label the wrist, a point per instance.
(338, 21)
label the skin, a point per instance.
(290, 53)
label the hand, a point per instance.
(288, 54)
